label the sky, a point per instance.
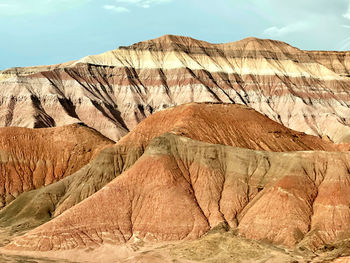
(42, 32)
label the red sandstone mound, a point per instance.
(181, 188)
(112, 92)
(33, 158)
(228, 124)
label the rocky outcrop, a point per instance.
(212, 184)
(225, 124)
(304, 90)
(178, 172)
(26, 71)
(228, 124)
(181, 188)
(31, 159)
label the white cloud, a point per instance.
(304, 21)
(143, 3)
(299, 9)
(37, 7)
(291, 28)
(347, 14)
(118, 9)
(139, 3)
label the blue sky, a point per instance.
(39, 32)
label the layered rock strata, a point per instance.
(226, 124)
(181, 188)
(34, 158)
(307, 91)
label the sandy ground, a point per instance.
(215, 247)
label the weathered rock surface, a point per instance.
(307, 91)
(181, 188)
(36, 207)
(33, 158)
(226, 124)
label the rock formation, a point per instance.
(31, 159)
(181, 188)
(304, 90)
(259, 146)
(228, 124)
(225, 124)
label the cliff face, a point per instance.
(307, 91)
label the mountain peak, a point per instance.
(254, 43)
(170, 40)
(249, 43)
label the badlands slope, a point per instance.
(31, 159)
(225, 124)
(253, 165)
(307, 91)
(180, 189)
(168, 180)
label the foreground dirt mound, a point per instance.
(180, 189)
(114, 91)
(226, 124)
(33, 158)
